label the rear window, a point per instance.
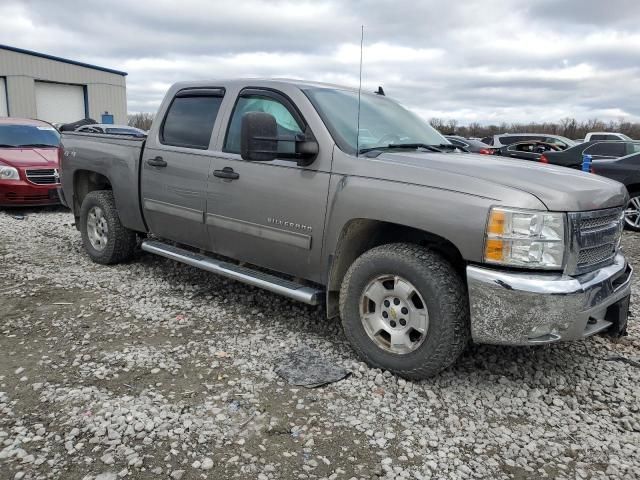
(28, 136)
(457, 142)
(189, 121)
(508, 140)
(488, 140)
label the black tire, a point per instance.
(443, 291)
(121, 241)
(628, 222)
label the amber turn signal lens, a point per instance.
(494, 250)
(496, 223)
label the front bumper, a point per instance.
(516, 308)
(21, 193)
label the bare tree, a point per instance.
(140, 120)
(568, 127)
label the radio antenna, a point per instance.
(359, 91)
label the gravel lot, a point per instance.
(157, 370)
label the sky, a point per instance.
(486, 61)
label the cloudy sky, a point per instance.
(474, 60)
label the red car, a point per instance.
(29, 162)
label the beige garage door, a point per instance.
(59, 102)
(3, 98)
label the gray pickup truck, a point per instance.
(417, 247)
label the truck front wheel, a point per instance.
(104, 238)
(404, 309)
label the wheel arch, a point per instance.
(633, 188)
(85, 181)
(361, 234)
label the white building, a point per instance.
(58, 90)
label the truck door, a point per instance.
(269, 214)
(175, 165)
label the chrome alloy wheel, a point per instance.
(632, 213)
(97, 228)
(394, 314)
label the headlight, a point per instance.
(9, 173)
(525, 238)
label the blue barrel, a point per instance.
(586, 162)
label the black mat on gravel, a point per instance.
(308, 368)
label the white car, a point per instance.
(606, 136)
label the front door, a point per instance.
(175, 165)
(269, 214)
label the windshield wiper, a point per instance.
(451, 146)
(413, 146)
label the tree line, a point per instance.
(567, 127)
(140, 120)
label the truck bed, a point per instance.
(117, 158)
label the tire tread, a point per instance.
(451, 341)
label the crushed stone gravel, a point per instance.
(153, 369)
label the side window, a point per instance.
(287, 124)
(613, 149)
(189, 121)
(603, 137)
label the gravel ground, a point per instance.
(157, 370)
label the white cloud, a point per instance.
(478, 60)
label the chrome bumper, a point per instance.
(515, 308)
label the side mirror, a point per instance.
(258, 137)
(259, 141)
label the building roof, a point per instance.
(23, 121)
(60, 59)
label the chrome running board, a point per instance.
(295, 291)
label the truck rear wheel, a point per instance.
(404, 309)
(104, 238)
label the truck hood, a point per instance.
(558, 188)
(29, 157)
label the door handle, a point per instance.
(226, 172)
(156, 162)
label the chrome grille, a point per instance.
(43, 176)
(595, 239)
(595, 255)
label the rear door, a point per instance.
(175, 166)
(272, 213)
(607, 149)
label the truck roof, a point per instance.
(264, 82)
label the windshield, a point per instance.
(382, 121)
(28, 136)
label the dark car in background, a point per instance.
(503, 139)
(528, 150)
(625, 170)
(29, 162)
(598, 150)
(471, 145)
